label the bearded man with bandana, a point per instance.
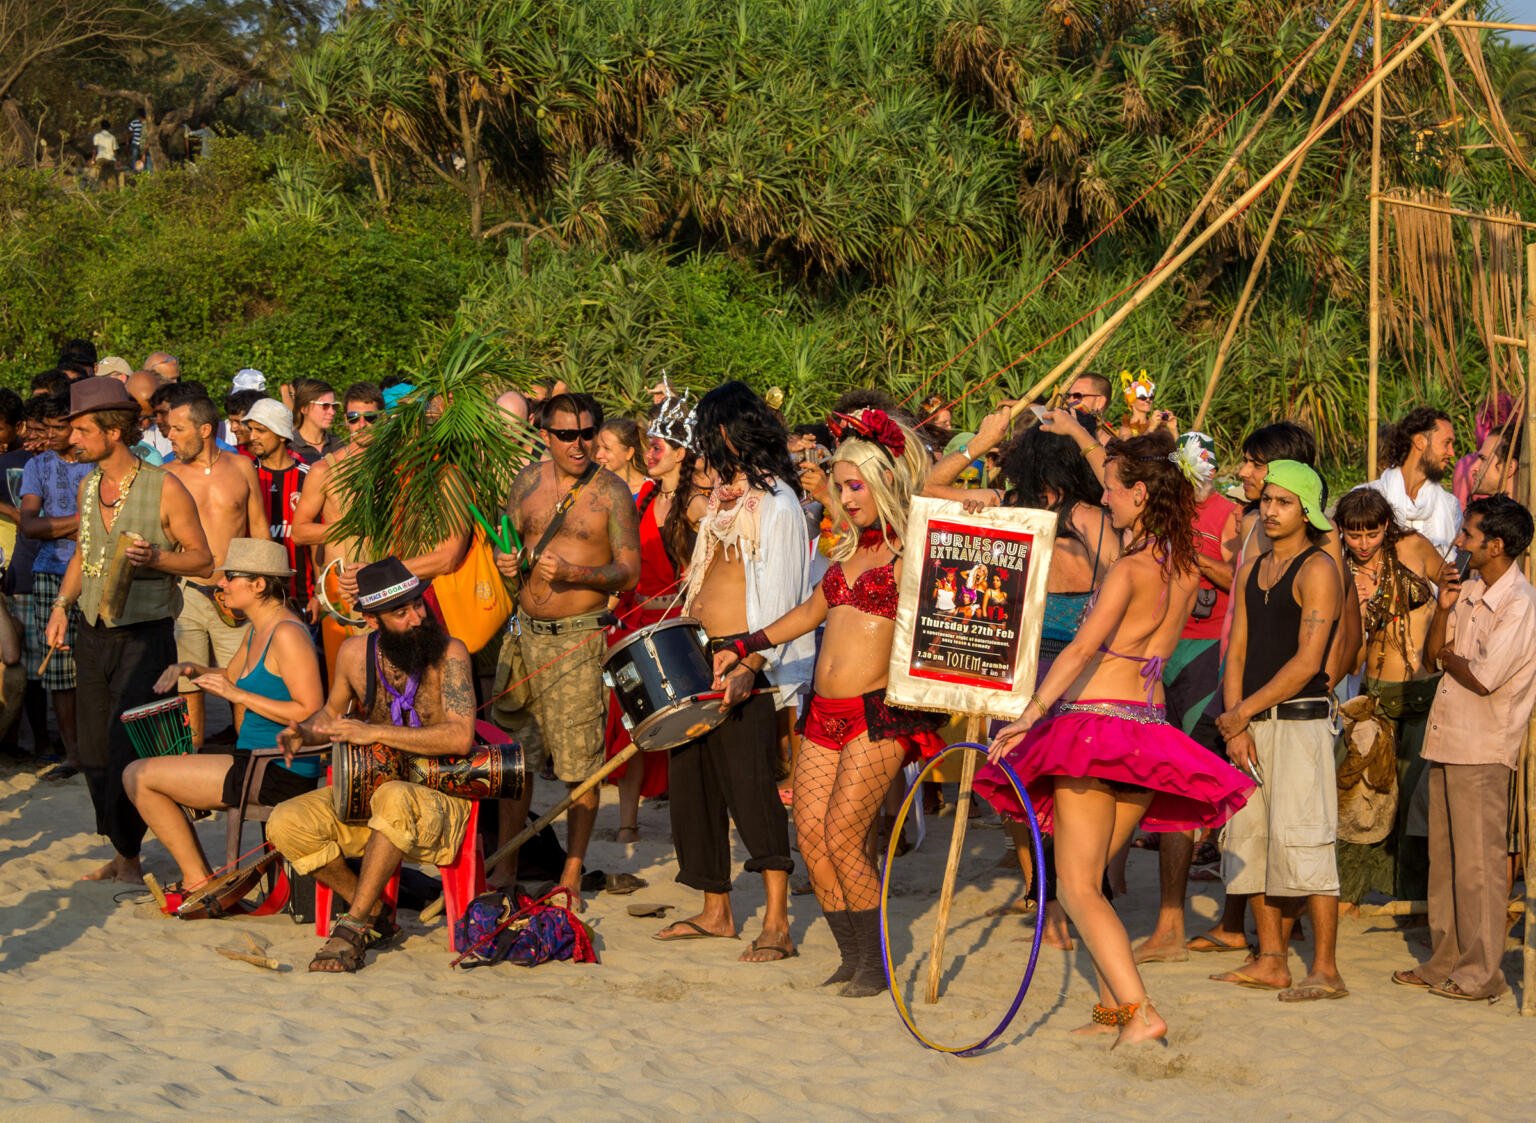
(410, 685)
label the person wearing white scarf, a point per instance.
(1422, 447)
(1434, 512)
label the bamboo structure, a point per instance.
(1483, 25)
(1528, 770)
(1242, 203)
(1243, 144)
(1496, 219)
(1274, 224)
(1373, 367)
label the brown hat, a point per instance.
(89, 395)
(260, 556)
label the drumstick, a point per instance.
(43, 666)
(719, 694)
(616, 761)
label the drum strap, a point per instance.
(558, 519)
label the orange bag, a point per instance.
(475, 599)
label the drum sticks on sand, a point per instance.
(616, 761)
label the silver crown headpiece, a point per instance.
(675, 420)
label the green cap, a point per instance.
(1305, 484)
(958, 442)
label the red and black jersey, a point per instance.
(281, 489)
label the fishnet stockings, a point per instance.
(836, 797)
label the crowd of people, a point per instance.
(1323, 700)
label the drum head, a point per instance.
(677, 725)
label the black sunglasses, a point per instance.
(569, 435)
(353, 416)
(1075, 396)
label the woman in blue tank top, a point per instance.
(274, 680)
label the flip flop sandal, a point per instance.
(778, 951)
(1312, 992)
(59, 772)
(1449, 989)
(1212, 947)
(696, 932)
(1243, 979)
(1409, 979)
(623, 884)
(650, 909)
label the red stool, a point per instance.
(463, 881)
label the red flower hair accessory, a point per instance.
(873, 425)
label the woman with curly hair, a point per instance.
(853, 744)
(1093, 745)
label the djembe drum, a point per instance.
(162, 729)
(485, 772)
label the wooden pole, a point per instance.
(1238, 149)
(616, 761)
(1373, 363)
(952, 866)
(1274, 224)
(1496, 219)
(1527, 455)
(1476, 23)
(1242, 203)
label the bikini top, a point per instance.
(1151, 665)
(874, 590)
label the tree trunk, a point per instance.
(469, 145)
(18, 139)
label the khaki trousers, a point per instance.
(1468, 879)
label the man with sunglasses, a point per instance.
(581, 545)
(1088, 395)
(363, 405)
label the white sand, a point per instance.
(109, 1009)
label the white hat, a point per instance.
(114, 366)
(271, 415)
(249, 378)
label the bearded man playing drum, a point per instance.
(126, 634)
(583, 533)
(422, 704)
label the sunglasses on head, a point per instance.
(367, 417)
(569, 435)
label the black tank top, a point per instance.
(1274, 630)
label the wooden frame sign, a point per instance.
(971, 604)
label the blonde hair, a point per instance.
(892, 482)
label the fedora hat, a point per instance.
(257, 556)
(90, 395)
(385, 586)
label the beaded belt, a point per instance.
(1126, 711)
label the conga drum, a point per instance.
(162, 729)
(659, 675)
(485, 772)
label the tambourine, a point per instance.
(325, 601)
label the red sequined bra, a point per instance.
(873, 592)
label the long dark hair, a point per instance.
(737, 432)
(1169, 516)
(1037, 461)
(1399, 438)
(677, 533)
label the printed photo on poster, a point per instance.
(970, 605)
(971, 600)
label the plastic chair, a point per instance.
(463, 881)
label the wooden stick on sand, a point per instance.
(952, 867)
(617, 761)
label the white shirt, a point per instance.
(1434, 512)
(778, 579)
(106, 145)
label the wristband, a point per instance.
(743, 644)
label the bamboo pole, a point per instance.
(1242, 203)
(952, 866)
(1498, 220)
(1373, 361)
(1274, 224)
(1238, 149)
(1529, 950)
(1485, 25)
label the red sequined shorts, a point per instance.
(833, 722)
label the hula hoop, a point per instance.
(325, 602)
(885, 892)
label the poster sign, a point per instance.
(971, 600)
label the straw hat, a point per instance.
(257, 556)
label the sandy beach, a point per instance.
(112, 1010)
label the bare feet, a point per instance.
(1161, 947)
(771, 945)
(1056, 933)
(1348, 908)
(1146, 1025)
(628, 836)
(118, 869)
(106, 873)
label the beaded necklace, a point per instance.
(92, 498)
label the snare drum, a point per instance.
(159, 728)
(657, 674)
(485, 772)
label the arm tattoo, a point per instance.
(1310, 623)
(458, 697)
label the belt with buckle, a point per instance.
(591, 622)
(1303, 709)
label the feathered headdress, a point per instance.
(1140, 386)
(872, 425)
(1195, 456)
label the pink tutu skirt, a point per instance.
(1125, 745)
